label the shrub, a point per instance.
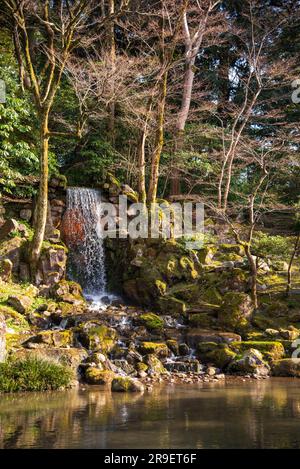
(33, 374)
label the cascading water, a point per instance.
(86, 260)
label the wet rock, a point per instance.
(184, 349)
(97, 337)
(185, 366)
(6, 267)
(51, 270)
(124, 366)
(67, 291)
(20, 303)
(195, 336)
(8, 227)
(151, 321)
(155, 366)
(2, 338)
(125, 384)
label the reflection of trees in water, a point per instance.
(262, 414)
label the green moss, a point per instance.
(14, 320)
(173, 346)
(95, 376)
(271, 350)
(142, 366)
(235, 311)
(218, 354)
(202, 320)
(98, 337)
(151, 321)
(33, 375)
(159, 349)
(172, 306)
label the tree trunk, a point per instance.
(181, 122)
(141, 169)
(253, 271)
(152, 192)
(42, 200)
(289, 273)
(112, 47)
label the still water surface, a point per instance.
(260, 414)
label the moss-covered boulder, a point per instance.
(158, 349)
(97, 337)
(151, 321)
(93, 375)
(251, 362)
(51, 338)
(196, 336)
(217, 354)
(289, 367)
(155, 366)
(125, 384)
(6, 267)
(271, 350)
(172, 306)
(67, 291)
(20, 303)
(235, 312)
(2, 338)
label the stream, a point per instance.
(234, 414)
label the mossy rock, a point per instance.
(206, 254)
(125, 384)
(97, 337)
(93, 375)
(232, 249)
(202, 320)
(154, 348)
(235, 312)
(52, 339)
(173, 346)
(218, 354)
(271, 350)
(172, 306)
(151, 321)
(155, 366)
(289, 367)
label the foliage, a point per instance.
(265, 245)
(33, 374)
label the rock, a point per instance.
(24, 272)
(97, 337)
(94, 375)
(26, 214)
(6, 267)
(71, 357)
(155, 366)
(211, 371)
(251, 362)
(236, 311)
(290, 334)
(67, 291)
(218, 354)
(195, 336)
(51, 271)
(123, 365)
(159, 349)
(287, 367)
(54, 338)
(151, 321)
(184, 350)
(271, 350)
(172, 306)
(184, 366)
(8, 227)
(20, 303)
(2, 338)
(272, 332)
(125, 384)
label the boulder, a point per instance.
(67, 291)
(125, 384)
(218, 354)
(287, 367)
(8, 227)
(26, 214)
(51, 270)
(251, 362)
(59, 339)
(6, 267)
(159, 349)
(97, 337)
(21, 304)
(155, 366)
(195, 336)
(71, 357)
(151, 321)
(93, 375)
(236, 311)
(2, 338)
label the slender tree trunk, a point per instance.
(112, 46)
(141, 169)
(289, 273)
(152, 191)
(42, 200)
(253, 272)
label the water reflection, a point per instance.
(264, 414)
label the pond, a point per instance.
(249, 414)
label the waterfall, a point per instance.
(86, 260)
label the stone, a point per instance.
(6, 267)
(290, 334)
(51, 271)
(123, 365)
(93, 375)
(8, 227)
(236, 311)
(60, 339)
(155, 366)
(251, 362)
(151, 321)
(2, 338)
(289, 367)
(24, 272)
(218, 354)
(159, 349)
(211, 371)
(195, 336)
(125, 384)
(97, 337)
(20, 303)
(71, 357)
(26, 214)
